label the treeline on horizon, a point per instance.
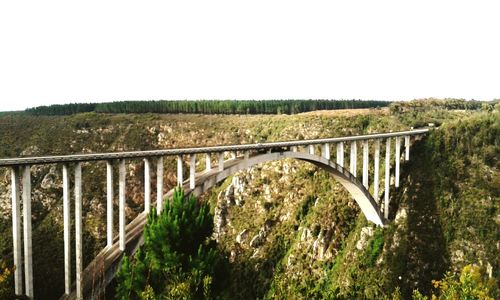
(447, 104)
(206, 106)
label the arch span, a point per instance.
(360, 194)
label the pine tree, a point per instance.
(178, 258)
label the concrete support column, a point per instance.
(340, 154)
(121, 200)
(221, 161)
(28, 260)
(78, 230)
(365, 163)
(192, 170)
(398, 159)
(147, 186)
(407, 147)
(159, 185)
(354, 157)
(16, 231)
(387, 176)
(247, 155)
(295, 149)
(269, 151)
(109, 203)
(311, 149)
(325, 151)
(208, 162)
(233, 154)
(376, 170)
(67, 234)
(180, 178)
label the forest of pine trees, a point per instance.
(206, 106)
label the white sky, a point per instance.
(95, 51)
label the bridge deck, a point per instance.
(185, 151)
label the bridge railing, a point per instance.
(20, 169)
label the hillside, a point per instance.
(314, 241)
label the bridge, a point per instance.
(91, 281)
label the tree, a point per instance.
(178, 260)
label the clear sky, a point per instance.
(95, 51)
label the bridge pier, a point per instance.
(247, 155)
(109, 203)
(180, 178)
(67, 234)
(311, 149)
(121, 203)
(159, 185)
(325, 151)
(398, 159)
(16, 231)
(208, 162)
(28, 262)
(365, 163)
(387, 176)
(407, 147)
(147, 186)
(221, 161)
(78, 230)
(340, 154)
(192, 170)
(376, 164)
(352, 162)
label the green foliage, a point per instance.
(306, 206)
(206, 106)
(433, 104)
(178, 259)
(472, 284)
(6, 280)
(61, 109)
(374, 248)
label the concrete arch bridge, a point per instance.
(91, 280)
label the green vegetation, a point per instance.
(471, 283)
(315, 243)
(433, 104)
(178, 259)
(205, 107)
(6, 281)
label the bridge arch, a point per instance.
(355, 188)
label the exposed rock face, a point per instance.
(220, 215)
(5, 200)
(257, 240)
(239, 185)
(366, 233)
(401, 215)
(51, 180)
(321, 244)
(241, 237)
(233, 195)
